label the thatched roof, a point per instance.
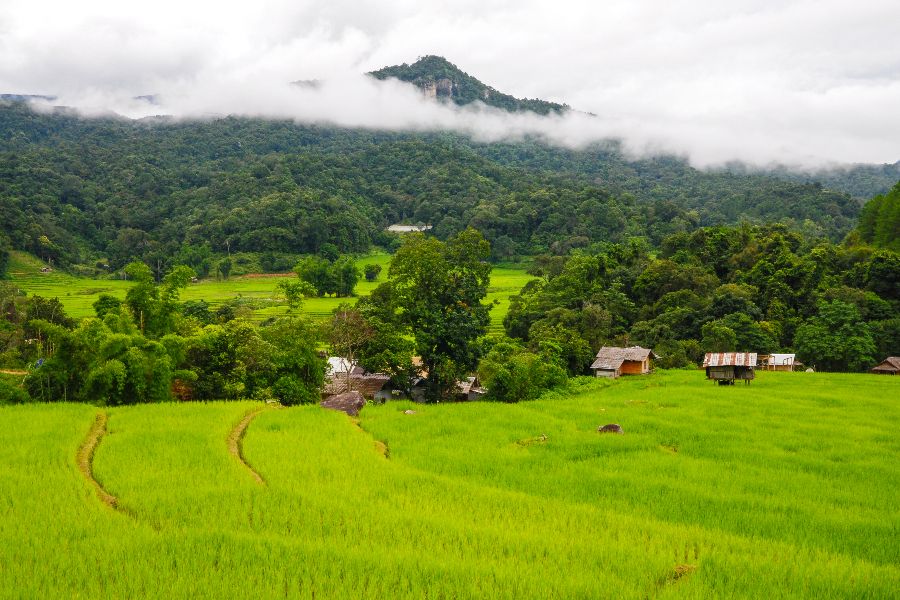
(611, 358)
(729, 359)
(890, 365)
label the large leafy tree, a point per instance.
(155, 307)
(511, 373)
(338, 277)
(836, 339)
(438, 288)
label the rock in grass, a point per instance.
(409, 412)
(348, 402)
(611, 428)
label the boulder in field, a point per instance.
(348, 402)
(611, 428)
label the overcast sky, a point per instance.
(800, 82)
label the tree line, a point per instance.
(761, 289)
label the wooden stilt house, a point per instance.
(726, 367)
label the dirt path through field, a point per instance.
(85, 458)
(380, 447)
(13, 372)
(236, 437)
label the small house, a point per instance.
(778, 362)
(890, 366)
(612, 361)
(725, 367)
(344, 376)
(469, 389)
(398, 228)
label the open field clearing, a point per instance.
(79, 293)
(785, 488)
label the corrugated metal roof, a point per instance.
(611, 357)
(723, 359)
(782, 359)
(367, 384)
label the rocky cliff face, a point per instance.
(441, 88)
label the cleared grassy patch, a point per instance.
(79, 293)
(786, 488)
(76, 293)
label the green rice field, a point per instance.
(79, 293)
(787, 488)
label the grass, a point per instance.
(76, 293)
(785, 488)
(79, 293)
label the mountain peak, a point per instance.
(440, 79)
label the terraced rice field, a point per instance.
(786, 488)
(78, 293)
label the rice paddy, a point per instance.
(785, 488)
(258, 292)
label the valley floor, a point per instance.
(784, 488)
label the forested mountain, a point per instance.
(439, 78)
(860, 181)
(80, 190)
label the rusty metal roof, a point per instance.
(368, 385)
(611, 357)
(724, 359)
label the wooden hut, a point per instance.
(726, 367)
(469, 389)
(890, 366)
(343, 376)
(612, 361)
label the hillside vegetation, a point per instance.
(879, 223)
(711, 493)
(106, 191)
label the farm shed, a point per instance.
(469, 389)
(890, 366)
(778, 362)
(368, 384)
(612, 361)
(338, 382)
(725, 367)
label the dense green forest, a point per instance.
(750, 288)
(879, 223)
(108, 191)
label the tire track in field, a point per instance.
(85, 459)
(236, 437)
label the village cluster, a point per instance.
(612, 362)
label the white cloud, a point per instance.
(792, 81)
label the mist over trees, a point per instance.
(105, 192)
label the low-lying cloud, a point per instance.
(792, 82)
